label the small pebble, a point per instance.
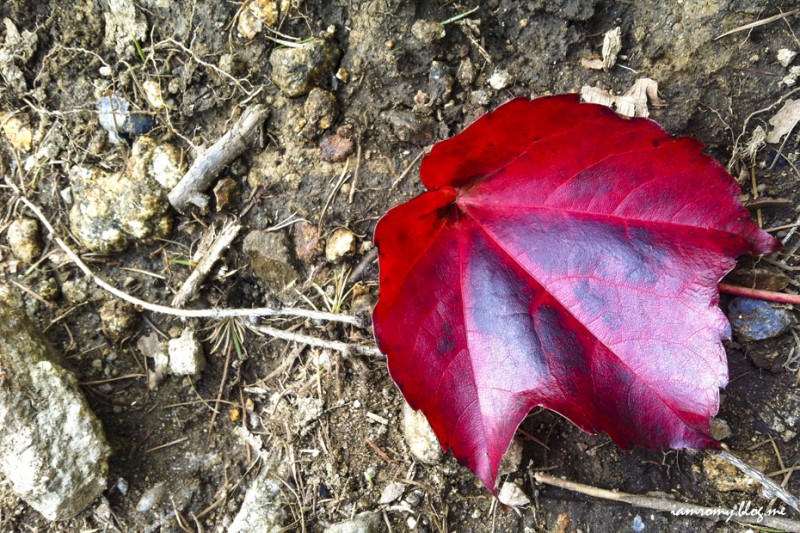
(422, 441)
(786, 56)
(638, 524)
(392, 492)
(755, 320)
(335, 148)
(152, 497)
(117, 319)
(186, 356)
(341, 243)
(512, 495)
(226, 193)
(428, 31)
(500, 79)
(23, 239)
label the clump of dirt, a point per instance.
(372, 84)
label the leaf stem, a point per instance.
(771, 296)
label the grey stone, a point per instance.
(152, 497)
(23, 239)
(755, 320)
(262, 509)
(117, 319)
(320, 110)
(52, 447)
(270, 259)
(297, 70)
(428, 31)
(393, 491)
(113, 210)
(440, 83)
(366, 522)
(409, 127)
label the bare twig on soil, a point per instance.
(779, 297)
(407, 170)
(770, 486)
(354, 183)
(193, 282)
(332, 194)
(343, 347)
(183, 313)
(190, 190)
(758, 23)
(660, 504)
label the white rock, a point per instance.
(52, 448)
(422, 441)
(23, 239)
(262, 509)
(512, 495)
(152, 91)
(500, 79)
(341, 243)
(186, 356)
(392, 492)
(786, 56)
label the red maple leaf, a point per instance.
(565, 257)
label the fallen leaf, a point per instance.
(631, 104)
(784, 121)
(563, 257)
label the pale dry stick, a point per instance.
(193, 282)
(770, 486)
(333, 193)
(735, 155)
(206, 167)
(182, 313)
(660, 504)
(407, 170)
(758, 23)
(354, 183)
(319, 343)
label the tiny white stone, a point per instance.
(342, 242)
(786, 56)
(422, 441)
(392, 492)
(512, 495)
(500, 79)
(186, 356)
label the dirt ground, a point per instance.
(333, 419)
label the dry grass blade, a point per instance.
(758, 23)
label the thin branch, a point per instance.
(675, 507)
(758, 23)
(775, 490)
(183, 313)
(193, 282)
(770, 296)
(319, 343)
(206, 167)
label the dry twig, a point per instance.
(166, 310)
(661, 504)
(193, 282)
(190, 190)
